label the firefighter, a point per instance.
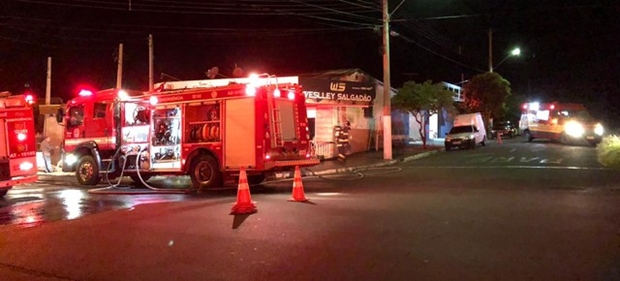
(342, 141)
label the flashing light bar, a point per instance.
(291, 95)
(123, 95)
(85, 93)
(250, 91)
(29, 99)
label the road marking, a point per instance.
(515, 167)
(501, 159)
(513, 150)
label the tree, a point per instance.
(486, 93)
(422, 100)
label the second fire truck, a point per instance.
(564, 122)
(18, 150)
(206, 133)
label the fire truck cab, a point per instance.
(207, 133)
(18, 148)
(564, 122)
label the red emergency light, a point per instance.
(29, 99)
(21, 137)
(291, 95)
(276, 93)
(552, 106)
(85, 93)
(153, 100)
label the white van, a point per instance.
(467, 132)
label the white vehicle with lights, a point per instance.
(568, 123)
(18, 148)
(207, 133)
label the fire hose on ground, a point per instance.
(114, 189)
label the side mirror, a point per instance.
(60, 114)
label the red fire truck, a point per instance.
(563, 122)
(206, 133)
(18, 150)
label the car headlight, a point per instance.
(574, 129)
(598, 129)
(70, 159)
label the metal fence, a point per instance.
(323, 149)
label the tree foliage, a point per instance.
(422, 100)
(486, 93)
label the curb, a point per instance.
(308, 172)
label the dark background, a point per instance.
(569, 48)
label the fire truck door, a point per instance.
(99, 128)
(75, 125)
(544, 122)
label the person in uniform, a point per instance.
(344, 148)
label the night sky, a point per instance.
(570, 49)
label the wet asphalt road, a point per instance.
(61, 198)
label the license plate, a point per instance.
(590, 137)
(456, 142)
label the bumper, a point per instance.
(17, 181)
(460, 143)
(283, 164)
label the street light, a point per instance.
(514, 52)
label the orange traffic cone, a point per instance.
(298, 188)
(499, 138)
(244, 204)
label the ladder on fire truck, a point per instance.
(277, 127)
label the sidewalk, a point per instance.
(356, 161)
(367, 159)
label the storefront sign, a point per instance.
(325, 91)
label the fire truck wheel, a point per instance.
(205, 172)
(528, 136)
(87, 171)
(564, 139)
(3, 192)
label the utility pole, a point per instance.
(150, 62)
(119, 71)
(490, 50)
(48, 84)
(387, 111)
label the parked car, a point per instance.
(464, 136)
(507, 129)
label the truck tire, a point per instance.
(528, 136)
(564, 139)
(205, 173)
(87, 171)
(3, 192)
